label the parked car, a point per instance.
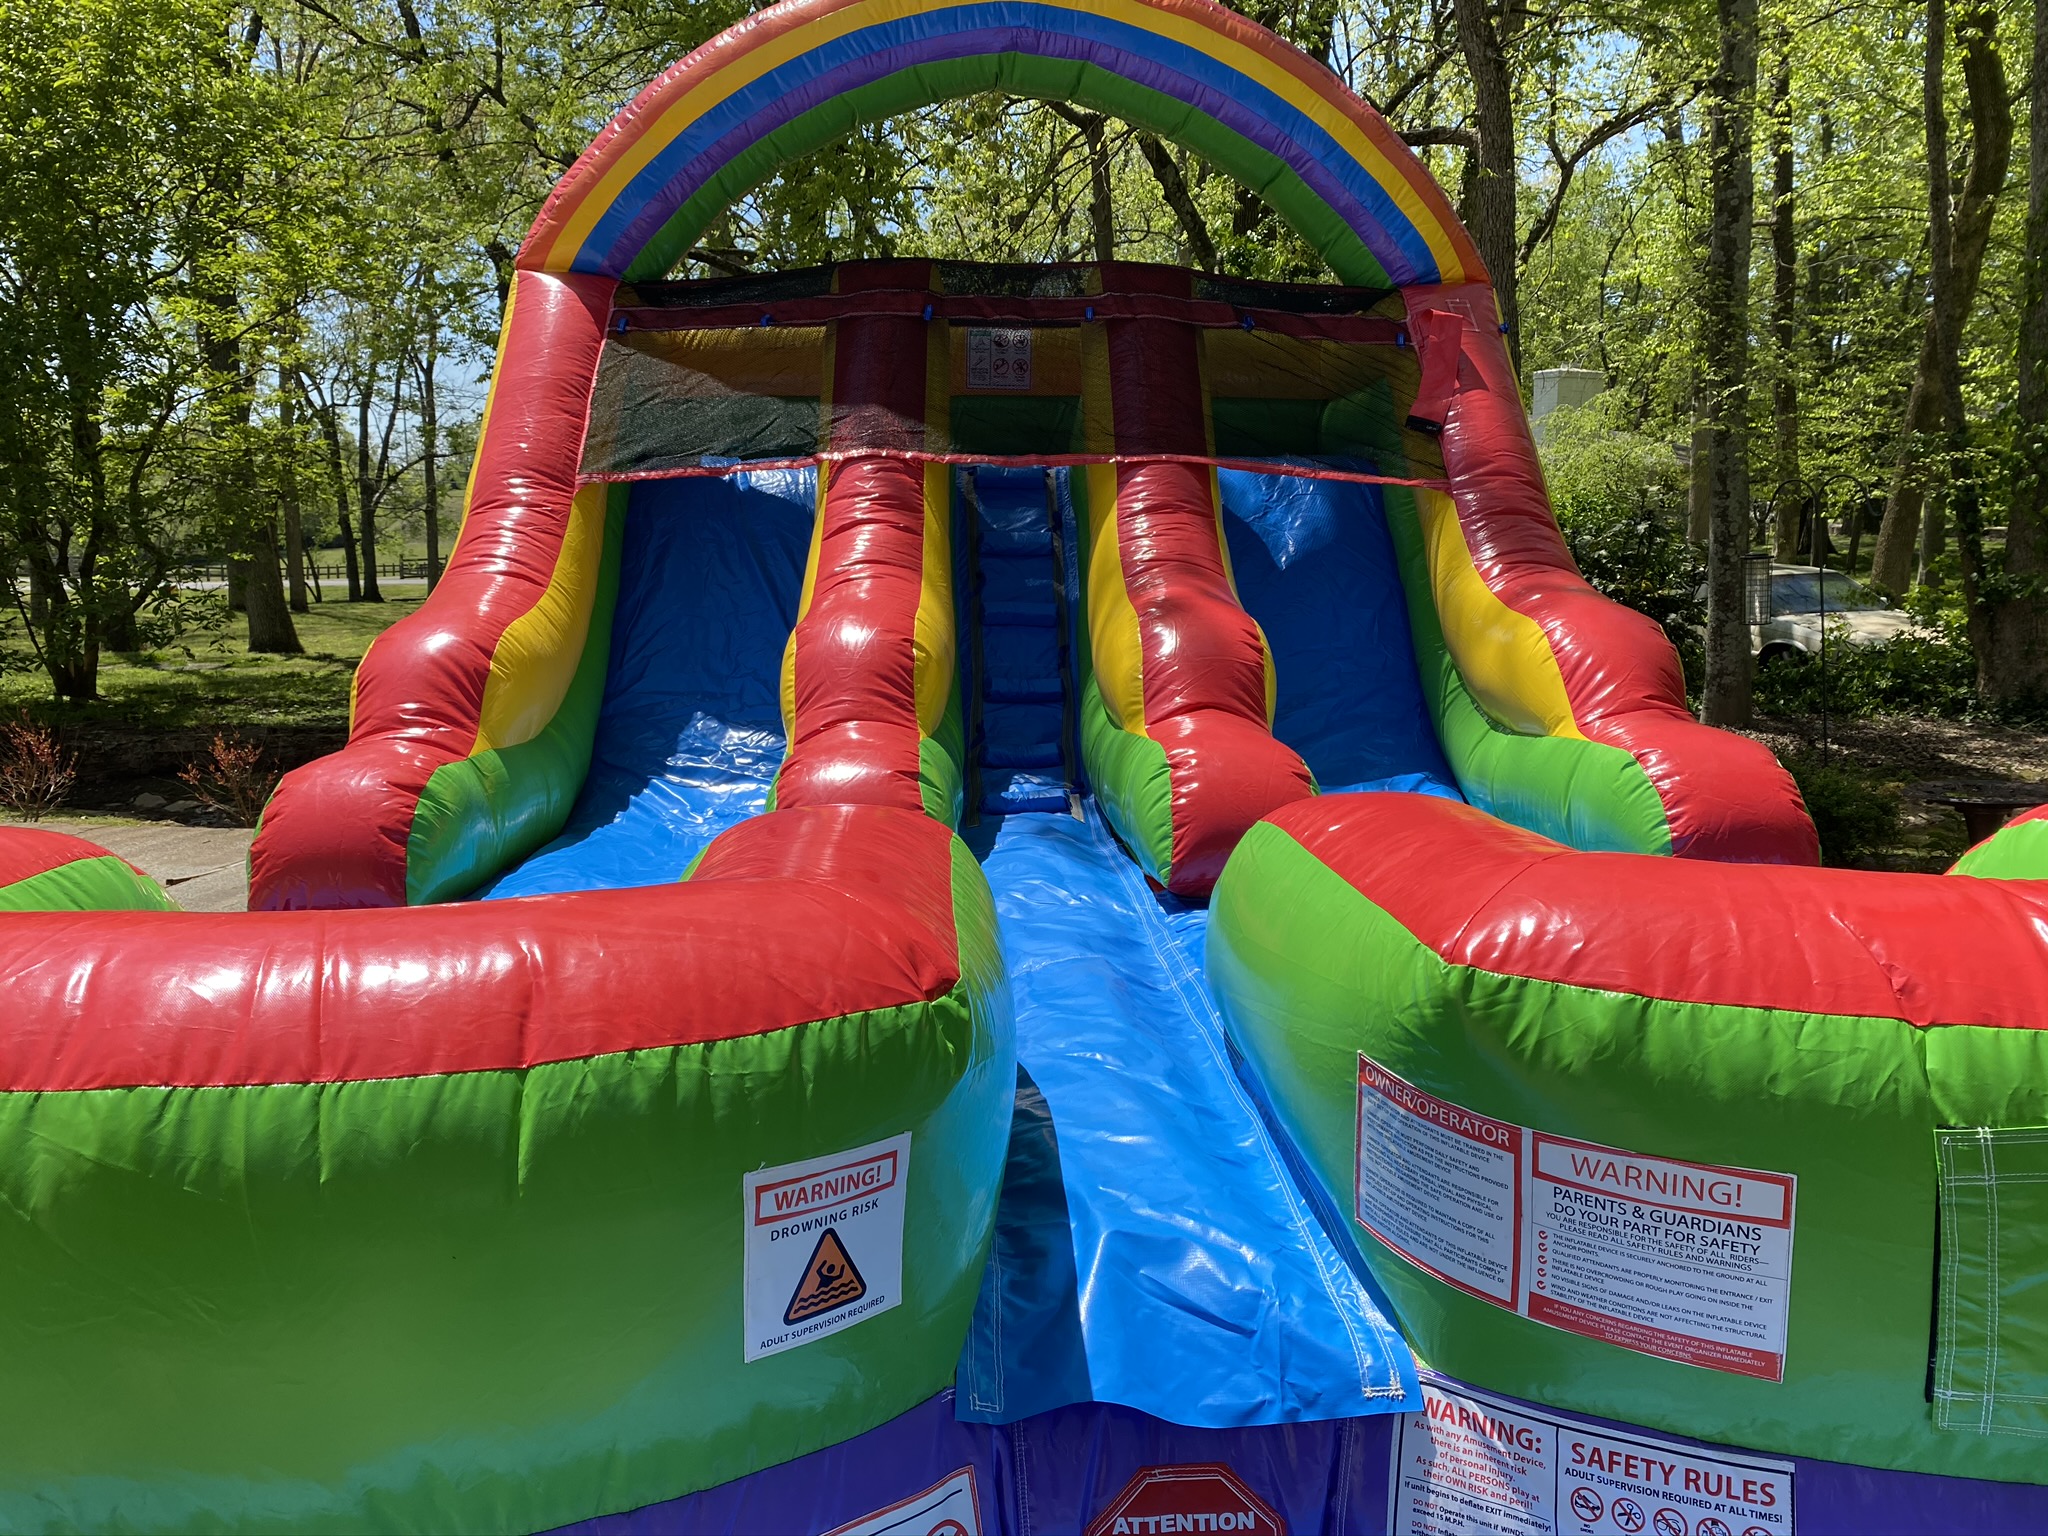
(1799, 592)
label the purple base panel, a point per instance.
(1100, 1470)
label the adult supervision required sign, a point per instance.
(1687, 1261)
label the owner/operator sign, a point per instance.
(1687, 1261)
(824, 1244)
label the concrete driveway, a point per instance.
(206, 869)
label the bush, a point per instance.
(1857, 818)
(1620, 501)
(234, 779)
(1915, 674)
(35, 773)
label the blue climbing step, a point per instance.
(1021, 721)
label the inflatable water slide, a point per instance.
(1021, 899)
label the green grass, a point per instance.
(211, 681)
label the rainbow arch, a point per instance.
(801, 75)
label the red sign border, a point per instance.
(1518, 1151)
(1181, 1471)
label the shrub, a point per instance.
(1857, 818)
(233, 778)
(1620, 502)
(1914, 674)
(35, 772)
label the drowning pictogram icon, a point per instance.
(830, 1281)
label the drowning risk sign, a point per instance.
(824, 1244)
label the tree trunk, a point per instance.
(1725, 348)
(1488, 192)
(1699, 488)
(288, 489)
(271, 632)
(1898, 534)
(237, 584)
(1961, 253)
(366, 501)
(1785, 315)
(2012, 662)
(1173, 186)
(430, 463)
(1946, 313)
(330, 428)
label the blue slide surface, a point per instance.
(690, 732)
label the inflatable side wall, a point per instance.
(1723, 1108)
(455, 1219)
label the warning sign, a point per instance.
(998, 359)
(951, 1508)
(824, 1244)
(830, 1281)
(1443, 1187)
(1686, 1261)
(1471, 1465)
(1207, 1496)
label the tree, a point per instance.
(2010, 610)
(1784, 310)
(1725, 344)
(1959, 233)
(124, 133)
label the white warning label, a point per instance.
(824, 1244)
(1471, 1465)
(998, 359)
(950, 1508)
(1686, 1261)
(1442, 1186)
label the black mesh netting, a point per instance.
(995, 362)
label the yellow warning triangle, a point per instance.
(830, 1281)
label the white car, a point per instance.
(1854, 613)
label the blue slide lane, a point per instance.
(690, 732)
(1315, 566)
(1153, 1249)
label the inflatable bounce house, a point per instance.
(1003, 899)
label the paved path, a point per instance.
(206, 869)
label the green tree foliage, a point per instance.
(241, 251)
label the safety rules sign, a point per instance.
(1471, 1465)
(824, 1244)
(1686, 1261)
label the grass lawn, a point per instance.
(211, 682)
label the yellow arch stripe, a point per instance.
(750, 66)
(932, 636)
(537, 656)
(803, 606)
(1114, 643)
(1504, 656)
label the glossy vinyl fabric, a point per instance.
(1154, 1249)
(1178, 662)
(1317, 570)
(473, 1170)
(44, 871)
(341, 832)
(1063, 1470)
(690, 731)
(1819, 1023)
(1720, 796)
(869, 673)
(470, 1170)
